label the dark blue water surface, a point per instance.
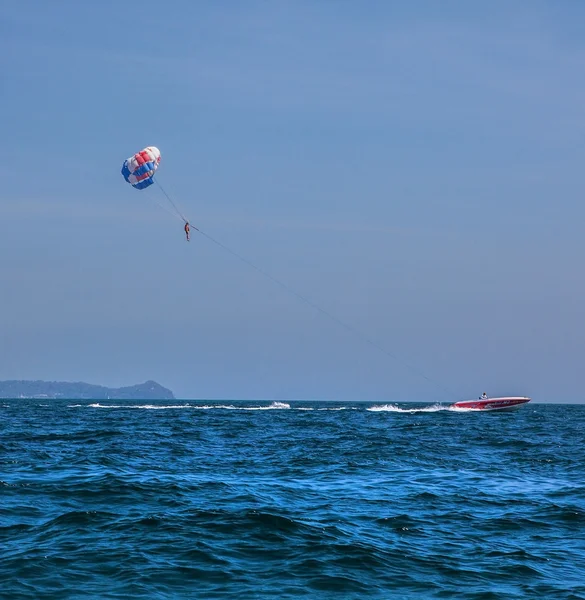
(312, 500)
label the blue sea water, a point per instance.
(297, 500)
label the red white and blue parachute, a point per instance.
(138, 170)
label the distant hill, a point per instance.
(149, 390)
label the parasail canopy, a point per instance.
(138, 170)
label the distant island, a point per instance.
(149, 390)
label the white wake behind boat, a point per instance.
(503, 403)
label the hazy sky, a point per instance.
(414, 168)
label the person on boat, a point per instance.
(483, 396)
(187, 230)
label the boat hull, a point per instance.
(507, 403)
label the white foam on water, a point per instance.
(277, 406)
(212, 406)
(398, 409)
(136, 406)
(273, 406)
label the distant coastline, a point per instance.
(149, 390)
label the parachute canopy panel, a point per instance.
(138, 170)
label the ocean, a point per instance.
(290, 500)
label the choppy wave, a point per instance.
(312, 500)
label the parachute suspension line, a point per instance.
(343, 324)
(161, 205)
(181, 215)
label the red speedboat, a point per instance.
(504, 403)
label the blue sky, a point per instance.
(415, 169)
